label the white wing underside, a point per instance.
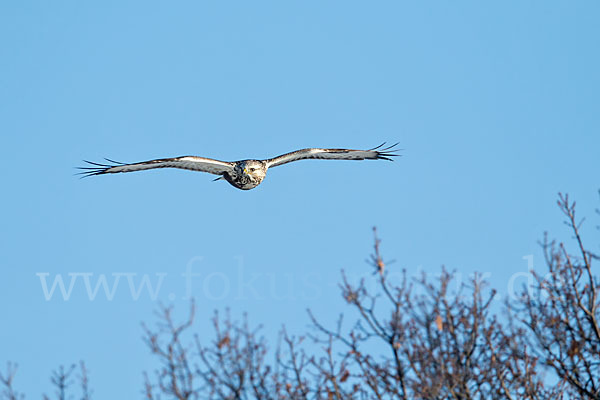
(190, 163)
(376, 153)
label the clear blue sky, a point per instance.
(495, 103)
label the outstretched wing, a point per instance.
(191, 163)
(377, 153)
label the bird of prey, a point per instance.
(243, 174)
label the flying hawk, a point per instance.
(244, 174)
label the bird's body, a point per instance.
(247, 174)
(243, 174)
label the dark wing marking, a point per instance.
(376, 153)
(191, 163)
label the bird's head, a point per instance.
(254, 169)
